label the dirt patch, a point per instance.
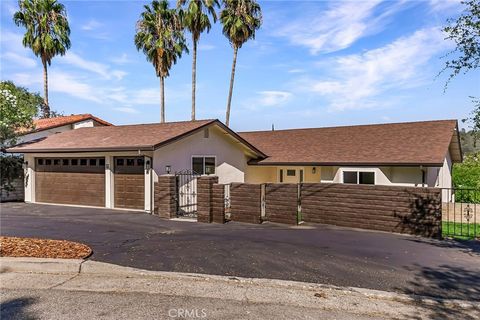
(42, 248)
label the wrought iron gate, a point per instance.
(186, 193)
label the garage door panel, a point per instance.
(129, 191)
(70, 188)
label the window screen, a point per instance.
(366, 178)
(197, 165)
(350, 177)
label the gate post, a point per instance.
(205, 198)
(165, 194)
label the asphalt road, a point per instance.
(311, 253)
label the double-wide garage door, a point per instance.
(78, 181)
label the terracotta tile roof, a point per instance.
(44, 124)
(128, 137)
(411, 143)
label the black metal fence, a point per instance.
(461, 213)
(186, 197)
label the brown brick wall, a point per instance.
(165, 193)
(245, 200)
(393, 209)
(218, 203)
(205, 198)
(281, 203)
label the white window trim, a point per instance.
(358, 174)
(204, 156)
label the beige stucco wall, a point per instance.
(231, 157)
(401, 176)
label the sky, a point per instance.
(312, 64)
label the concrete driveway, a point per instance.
(311, 253)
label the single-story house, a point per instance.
(116, 166)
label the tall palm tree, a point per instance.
(160, 36)
(240, 19)
(196, 20)
(47, 33)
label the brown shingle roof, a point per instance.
(414, 143)
(128, 137)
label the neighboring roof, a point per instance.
(413, 143)
(143, 137)
(49, 123)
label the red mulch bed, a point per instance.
(42, 248)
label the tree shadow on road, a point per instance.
(16, 309)
(470, 247)
(446, 282)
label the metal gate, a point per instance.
(186, 193)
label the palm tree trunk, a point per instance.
(194, 77)
(162, 99)
(232, 78)
(46, 108)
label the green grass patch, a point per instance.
(462, 231)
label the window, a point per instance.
(74, 162)
(83, 162)
(101, 162)
(92, 162)
(350, 177)
(65, 162)
(40, 162)
(119, 162)
(48, 162)
(209, 165)
(56, 162)
(130, 162)
(366, 178)
(140, 162)
(291, 173)
(359, 177)
(281, 175)
(203, 165)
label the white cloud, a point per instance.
(441, 5)
(126, 110)
(63, 82)
(357, 80)
(296, 70)
(338, 27)
(205, 47)
(122, 59)
(19, 59)
(91, 25)
(270, 98)
(101, 69)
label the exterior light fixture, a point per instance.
(168, 169)
(314, 170)
(147, 165)
(25, 165)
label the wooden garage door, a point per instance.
(129, 181)
(78, 181)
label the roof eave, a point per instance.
(349, 164)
